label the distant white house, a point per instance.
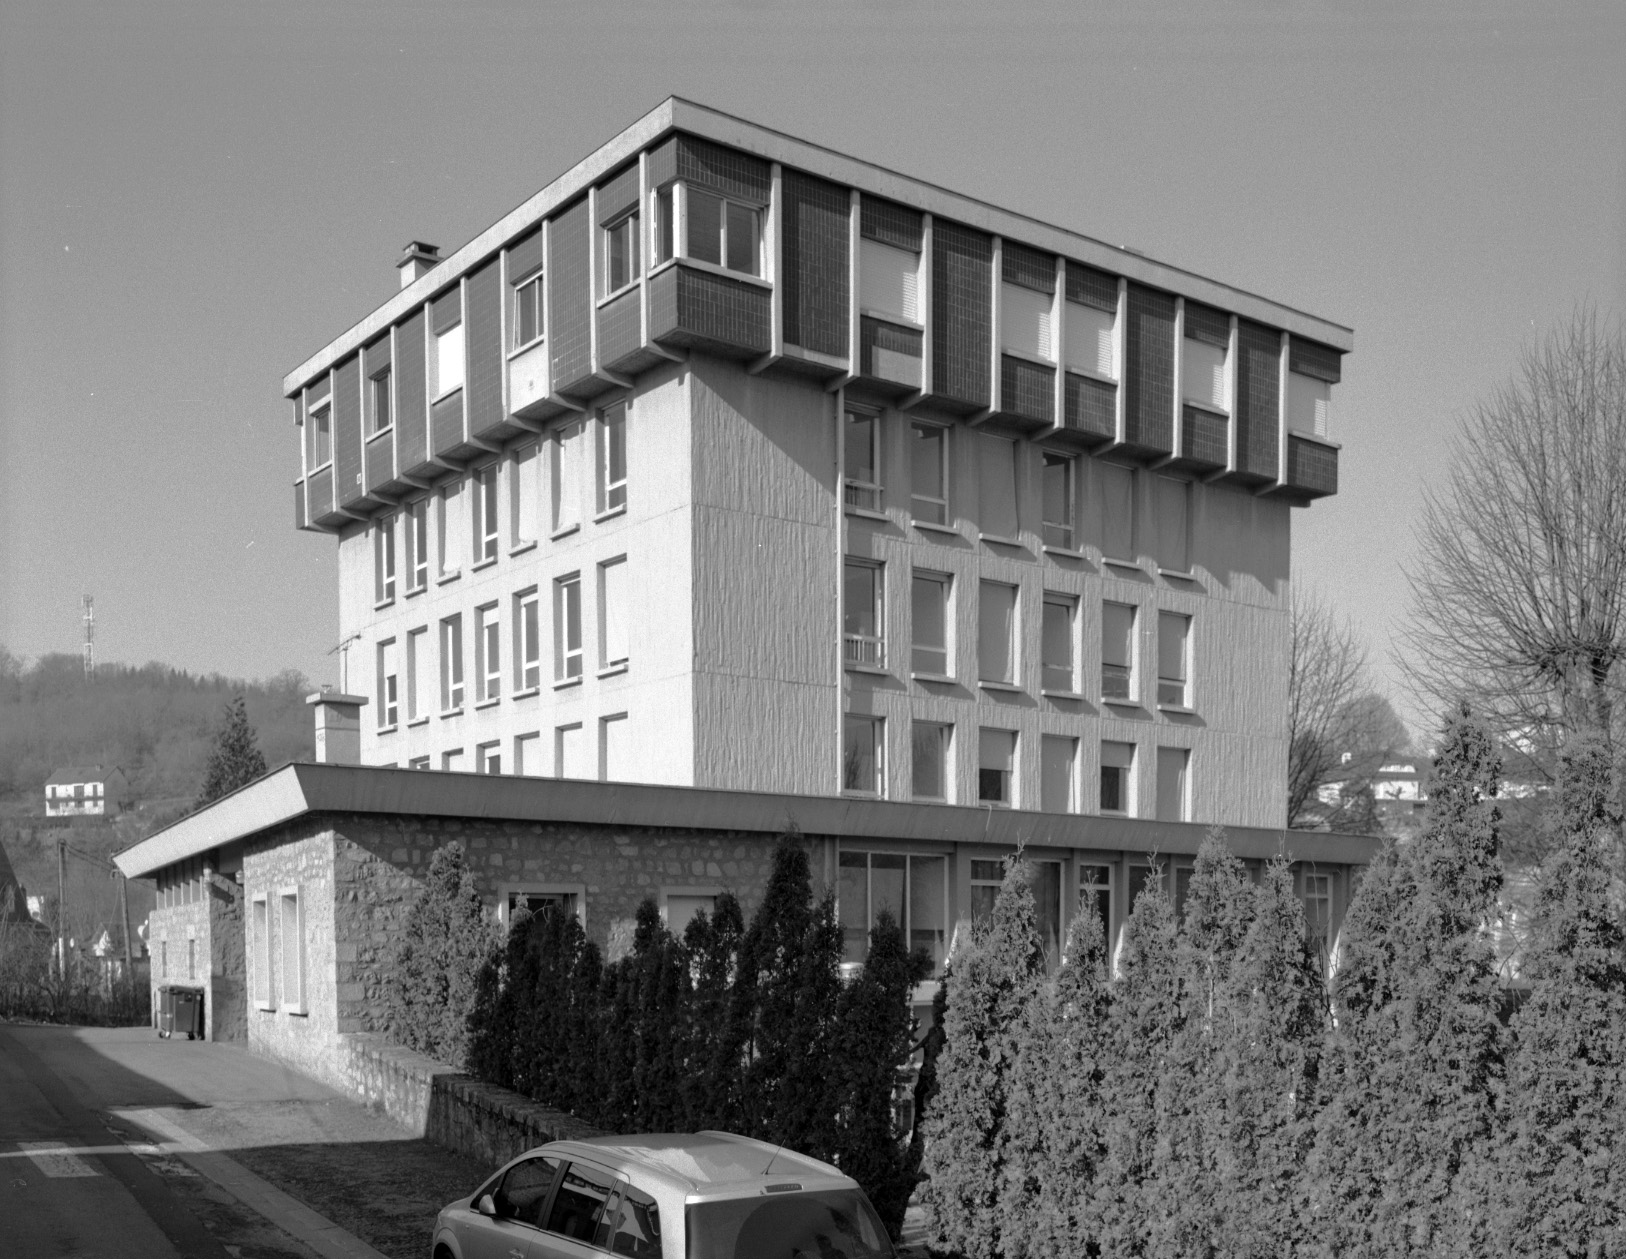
(86, 791)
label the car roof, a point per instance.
(705, 1162)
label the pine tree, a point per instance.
(1566, 1157)
(431, 988)
(235, 758)
(993, 980)
(1405, 1139)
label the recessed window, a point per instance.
(388, 679)
(723, 232)
(929, 746)
(419, 762)
(569, 475)
(1095, 893)
(889, 280)
(1092, 317)
(996, 474)
(862, 623)
(384, 558)
(319, 435)
(417, 645)
(571, 753)
(1026, 327)
(862, 755)
(913, 888)
(1173, 513)
(488, 758)
(1057, 670)
(484, 506)
(1058, 773)
(1117, 778)
(928, 466)
(929, 597)
(1172, 764)
(527, 641)
(863, 457)
(1204, 350)
(1315, 890)
(612, 458)
(1173, 658)
(567, 628)
(452, 762)
(1309, 405)
(1117, 651)
(379, 411)
(447, 362)
(528, 309)
(665, 222)
(454, 529)
(291, 936)
(417, 544)
(1116, 527)
(621, 253)
(996, 762)
(524, 491)
(615, 748)
(260, 952)
(1060, 476)
(613, 609)
(539, 900)
(451, 663)
(996, 632)
(487, 654)
(528, 754)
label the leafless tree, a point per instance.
(1519, 585)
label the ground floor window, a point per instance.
(537, 898)
(914, 887)
(291, 933)
(1045, 880)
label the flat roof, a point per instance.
(299, 789)
(677, 114)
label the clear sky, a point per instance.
(196, 196)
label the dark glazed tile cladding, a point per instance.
(321, 497)
(571, 302)
(1311, 467)
(1149, 370)
(1205, 324)
(619, 330)
(524, 256)
(1089, 287)
(1092, 406)
(1028, 389)
(1027, 267)
(815, 267)
(445, 310)
(1307, 358)
(700, 308)
(1203, 438)
(446, 423)
(380, 457)
(485, 350)
(618, 194)
(962, 314)
(712, 167)
(347, 470)
(889, 223)
(411, 402)
(1258, 388)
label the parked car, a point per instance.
(705, 1195)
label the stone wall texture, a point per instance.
(212, 925)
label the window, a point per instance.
(570, 752)
(996, 757)
(613, 606)
(1173, 511)
(527, 754)
(451, 663)
(1060, 472)
(863, 457)
(1117, 778)
(1024, 321)
(1316, 893)
(452, 762)
(527, 642)
(488, 758)
(416, 646)
(681, 907)
(484, 485)
(579, 1203)
(1117, 503)
(388, 711)
(319, 435)
(567, 628)
(1090, 327)
(529, 317)
(665, 223)
(861, 614)
(487, 655)
(522, 495)
(1172, 780)
(996, 475)
(541, 899)
(378, 402)
(260, 948)
(929, 742)
(1056, 647)
(1095, 892)
(1309, 405)
(862, 755)
(633, 1224)
(417, 545)
(1058, 762)
(615, 748)
(928, 466)
(1118, 652)
(612, 458)
(291, 935)
(1044, 879)
(929, 594)
(453, 530)
(722, 232)
(568, 476)
(1203, 352)
(996, 625)
(1173, 652)
(621, 253)
(384, 559)
(523, 1194)
(419, 762)
(447, 363)
(889, 280)
(913, 888)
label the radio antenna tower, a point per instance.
(90, 639)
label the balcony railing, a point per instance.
(865, 650)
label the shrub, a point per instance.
(446, 939)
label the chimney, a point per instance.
(417, 258)
(338, 727)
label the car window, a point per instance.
(580, 1202)
(524, 1189)
(633, 1226)
(838, 1224)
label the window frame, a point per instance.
(527, 654)
(1054, 679)
(1059, 535)
(452, 682)
(487, 655)
(568, 657)
(1179, 758)
(628, 223)
(877, 737)
(416, 642)
(439, 355)
(945, 587)
(1070, 804)
(862, 497)
(1012, 636)
(684, 221)
(485, 516)
(291, 951)
(1174, 691)
(944, 731)
(605, 723)
(1009, 779)
(864, 651)
(416, 517)
(380, 393)
(905, 918)
(384, 559)
(566, 470)
(610, 445)
(389, 713)
(529, 288)
(260, 951)
(524, 508)
(1126, 786)
(574, 896)
(487, 754)
(1130, 676)
(614, 620)
(319, 434)
(936, 506)
(559, 733)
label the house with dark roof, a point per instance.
(86, 791)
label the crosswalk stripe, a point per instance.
(56, 1160)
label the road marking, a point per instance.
(56, 1160)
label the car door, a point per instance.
(520, 1199)
(579, 1214)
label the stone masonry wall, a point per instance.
(227, 1003)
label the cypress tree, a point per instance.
(715, 1050)
(235, 759)
(659, 979)
(1567, 1078)
(492, 1014)
(994, 978)
(444, 942)
(809, 1097)
(1405, 1140)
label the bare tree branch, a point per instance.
(1326, 684)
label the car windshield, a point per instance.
(836, 1225)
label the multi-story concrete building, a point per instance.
(730, 461)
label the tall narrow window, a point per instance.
(1309, 405)
(1117, 778)
(528, 309)
(1058, 770)
(484, 483)
(1057, 670)
(996, 632)
(929, 745)
(291, 934)
(378, 402)
(621, 253)
(1060, 472)
(488, 758)
(1025, 322)
(861, 613)
(567, 628)
(996, 762)
(612, 458)
(527, 641)
(527, 755)
(929, 614)
(889, 280)
(1117, 652)
(454, 525)
(665, 223)
(568, 478)
(451, 663)
(571, 753)
(862, 755)
(319, 435)
(742, 230)
(417, 644)
(1092, 316)
(448, 361)
(388, 706)
(523, 494)
(1203, 352)
(1171, 784)
(863, 457)
(928, 466)
(1116, 527)
(615, 748)
(452, 762)
(1095, 892)
(260, 948)
(384, 559)
(996, 474)
(1173, 511)
(1316, 893)
(417, 544)
(613, 629)
(487, 654)
(1173, 655)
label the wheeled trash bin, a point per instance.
(180, 1010)
(164, 1013)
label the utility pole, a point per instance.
(124, 913)
(62, 909)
